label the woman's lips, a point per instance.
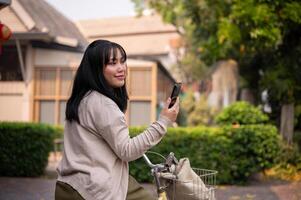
(121, 77)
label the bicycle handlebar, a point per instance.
(169, 161)
(151, 165)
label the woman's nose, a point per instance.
(121, 67)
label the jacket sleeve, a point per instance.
(110, 123)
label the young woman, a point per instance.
(97, 145)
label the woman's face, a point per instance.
(115, 71)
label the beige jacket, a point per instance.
(97, 151)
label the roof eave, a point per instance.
(31, 36)
(45, 37)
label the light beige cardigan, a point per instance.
(97, 151)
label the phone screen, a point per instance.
(175, 93)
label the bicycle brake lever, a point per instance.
(171, 160)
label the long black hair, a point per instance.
(89, 77)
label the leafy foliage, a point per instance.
(258, 149)
(203, 114)
(289, 164)
(235, 152)
(262, 35)
(198, 111)
(242, 113)
(24, 148)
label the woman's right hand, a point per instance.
(171, 113)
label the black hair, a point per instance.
(89, 76)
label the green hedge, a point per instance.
(24, 148)
(58, 132)
(235, 152)
(241, 112)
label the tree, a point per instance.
(197, 110)
(262, 35)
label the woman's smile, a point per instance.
(115, 71)
(120, 77)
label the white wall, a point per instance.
(11, 101)
(56, 58)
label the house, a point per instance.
(144, 38)
(38, 64)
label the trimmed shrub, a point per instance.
(24, 148)
(242, 113)
(58, 132)
(58, 135)
(235, 152)
(253, 148)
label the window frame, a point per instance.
(57, 97)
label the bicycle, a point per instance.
(196, 184)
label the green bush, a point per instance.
(253, 149)
(58, 132)
(288, 165)
(289, 154)
(241, 113)
(235, 152)
(197, 112)
(202, 114)
(24, 148)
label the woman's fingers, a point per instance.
(176, 105)
(167, 103)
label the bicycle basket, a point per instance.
(186, 183)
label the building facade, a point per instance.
(38, 64)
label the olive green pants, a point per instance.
(64, 191)
(136, 191)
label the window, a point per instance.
(53, 86)
(46, 112)
(142, 99)
(141, 82)
(10, 69)
(52, 89)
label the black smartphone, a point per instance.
(175, 93)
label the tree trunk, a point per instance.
(287, 122)
(247, 95)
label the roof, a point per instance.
(145, 35)
(4, 3)
(30, 18)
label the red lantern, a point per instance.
(5, 34)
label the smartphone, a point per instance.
(175, 93)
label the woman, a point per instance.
(97, 146)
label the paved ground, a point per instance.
(42, 188)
